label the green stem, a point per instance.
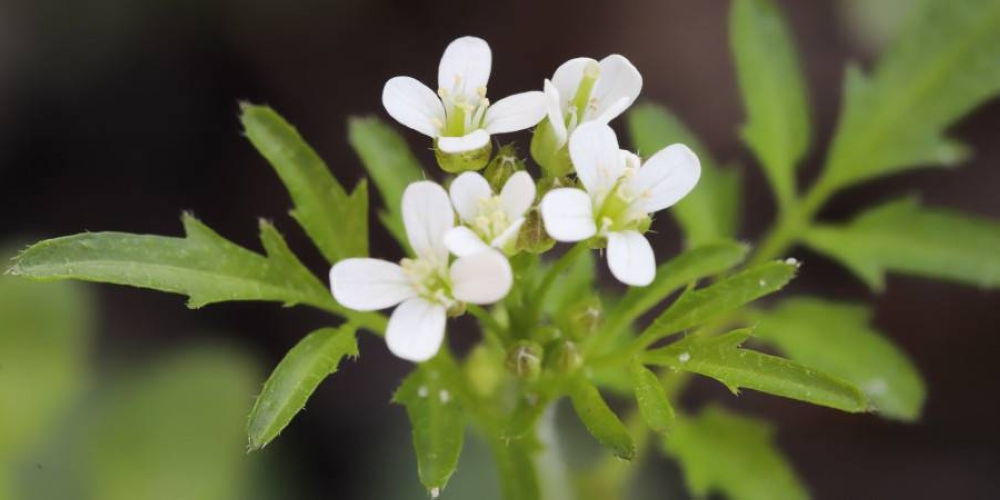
(491, 327)
(793, 222)
(536, 299)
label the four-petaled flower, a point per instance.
(490, 220)
(426, 288)
(459, 116)
(619, 199)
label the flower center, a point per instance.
(492, 219)
(582, 106)
(619, 211)
(462, 113)
(429, 280)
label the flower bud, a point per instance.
(455, 163)
(533, 238)
(525, 359)
(564, 356)
(483, 370)
(502, 166)
(585, 317)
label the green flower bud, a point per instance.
(525, 359)
(532, 238)
(456, 163)
(564, 356)
(549, 152)
(483, 369)
(585, 317)
(502, 166)
(456, 309)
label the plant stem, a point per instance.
(490, 326)
(793, 222)
(537, 298)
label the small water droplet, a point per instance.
(762, 283)
(435, 492)
(792, 261)
(422, 391)
(444, 395)
(684, 357)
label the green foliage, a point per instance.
(720, 451)
(837, 339)
(598, 418)
(903, 237)
(773, 90)
(292, 383)
(336, 221)
(723, 359)
(711, 211)
(941, 66)
(652, 399)
(389, 162)
(516, 466)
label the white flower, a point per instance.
(620, 196)
(459, 116)
(491, 220)
(426, 287)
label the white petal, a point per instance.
(555, 112)
(483, 278)
(461, 241)
(568, 214)
(413, 104)
(467, 194)
(469, 142)
(517, 112)
(595, 154)
(508, 234)
(567, 77)
(665, 178)
(427, 215)
(630, 159)
(518, 194)
(631, 258)
(369, 284)
(416, 329)
(465, 67)
(619, 79)
(607, 113)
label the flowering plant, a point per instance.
(483, 240)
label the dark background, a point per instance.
(119, 114)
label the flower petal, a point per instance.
(469, 142)
(465, 67)
(414, 105)
(369, 284)
(619, 79)
(427, 215)
(461, 241)
(517, 112)
(467, 194)
(593, 147)
(630, 159)
(482, 278)
(517, 195)
(555, 112)
(631, 258)
(416, 329)
(665, 178)
(567, 78)
(568, 214)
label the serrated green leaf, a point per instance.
(652, 400)
(437, 420)
(941, 67)
(598, 418)
(902, 237)
(699, 306)
(723, 359)
(335, 221)
(711, 211)
(720, 451)
(296, 377)
(837, 339)
(391, 165)
(777, 128)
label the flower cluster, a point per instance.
(464, 260)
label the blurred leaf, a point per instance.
(391, 165)
(336, 222)
(598, 418)
(292, 383)
(652, 399)
(172, 431)
(688, 267)
(836, 338)
(723, 452)
(902, 237)
(697, 307)
(516, 465)
(437, 419)
(773, 89)
(723, 359)
(44, 344)
(711, 211)
(941, 67)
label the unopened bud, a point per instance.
(484, 370)
(564, 356)
(525, 359)
(502, 166)
(585, 317)
(533, 238)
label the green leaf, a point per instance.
(773, 90)
(720, 451)
(391, 165)
(293, 381)
(903, 237)
(336, 222)
(722, 358)
(697, 307)
(941, 67)
(652, 399)
(598, 418)
(837, 339)
(168, 431)
(711, 211)
(437, 419)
